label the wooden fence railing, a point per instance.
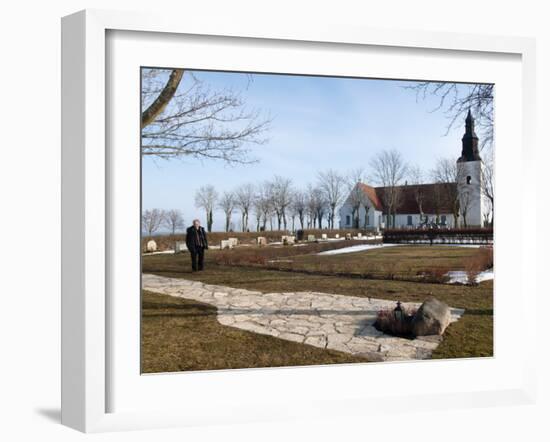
(439, 236)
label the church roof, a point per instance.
(436, 197)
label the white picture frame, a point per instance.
(86, 234)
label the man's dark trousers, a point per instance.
(197, 258)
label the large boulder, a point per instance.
(432, 318)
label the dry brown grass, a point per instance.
(180, 335)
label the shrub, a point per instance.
(437, 275)
(481, 261)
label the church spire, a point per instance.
(470, 151)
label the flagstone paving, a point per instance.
(324, 320)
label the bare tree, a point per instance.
(318, 205)
(356, 195)
(151, 220)
(416, 178)
(389, 169)
(465, 200)
(447, 173)
(182, 119)
(227, 204)
(281, 191)
(455, 99)
(244, 198)
(332, 184)
(157, 99)
(488, 186)
(173, 219)
(299, 206)
(205, 198)
(263, 205)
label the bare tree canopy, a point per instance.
(227, 205)
(151, 220)
(389, 170)
(173, 220)
(456, 99)
(332, 184)
(356, 196)
(446, 171)
(488, 186)
(194, 121)
(281, 190)
(244, 198)
(205, 198)
(416, 177)
(163, 98)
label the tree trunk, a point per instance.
(160, 103)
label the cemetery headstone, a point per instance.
(337, 236)
(151, 246)
(348, 236)
(261, 241)
(288, 240)
(234, 241)
(226, 244)
(180, 247)
(324, 236)
(311, 238)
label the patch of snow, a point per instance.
(161, 252)
(359, 248)
(461, 277)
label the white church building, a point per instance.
(413, 205)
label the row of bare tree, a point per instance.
(277, 203)
(153, 219)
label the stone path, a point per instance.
(323, 320)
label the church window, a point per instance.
(348, 220)
(409, 220)
(468, 179)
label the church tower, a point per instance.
(470, 171)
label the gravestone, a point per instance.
(311, 238)
(337, 236)
(234, 241)
(288, 240)
(359, 235)
(180, 247)
(300, 235)
(151, 246)
(226, 244)
(324, 236)
(348, 236)
(261, 241)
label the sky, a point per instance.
(317, 123)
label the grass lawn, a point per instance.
(404, 261)
(472, 336)
(180, 335)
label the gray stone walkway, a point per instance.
(338, 322)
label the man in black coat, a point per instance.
(197, 243)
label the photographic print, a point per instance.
(298, 220)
